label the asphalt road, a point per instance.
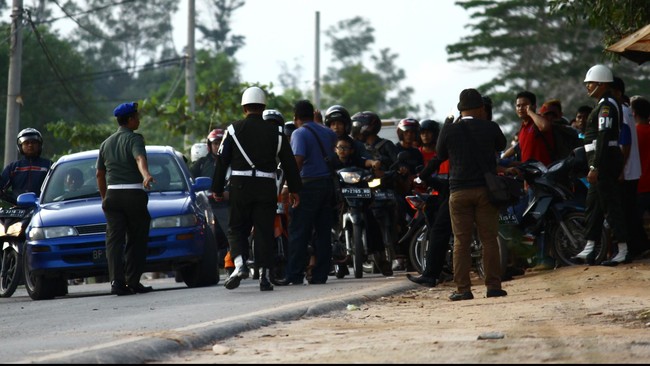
(91, 326)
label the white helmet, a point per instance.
(198, 150)
(253, 95)
(599, 74)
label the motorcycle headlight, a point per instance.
(186, 220)
(40, 233)
(374, 183)
(350, 177)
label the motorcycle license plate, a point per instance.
(384, 195)
(13, 212)
(356, 192)
(99, 255)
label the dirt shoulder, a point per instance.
(581, 314)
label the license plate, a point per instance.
(356, 192)
(384, 195)
(99, 255)
(13, 212)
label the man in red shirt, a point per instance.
(535, 135)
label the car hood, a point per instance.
(89, 211)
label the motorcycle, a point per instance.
(13, 222)
(417, 236)
(351, 229)
(554, 215)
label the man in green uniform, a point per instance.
(605, 166)
(122, 174)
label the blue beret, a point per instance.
(125, 109)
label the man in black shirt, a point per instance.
(463, 142)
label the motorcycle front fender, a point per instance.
(537, 209)
(353, 216)
(6, 245)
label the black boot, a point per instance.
(423, 280)
(265, 284)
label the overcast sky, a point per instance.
(418, 31)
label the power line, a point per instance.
(72, 16)
(56, 70)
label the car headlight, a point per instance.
(174, 221)
(39, 233)
(350, 177)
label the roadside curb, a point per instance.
(162, 345)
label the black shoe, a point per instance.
(456, 296)
(611, 263)
(282, 282)
(422, 280)
(385, 268)
(232, 282)
(265, 285)
(120, 289)
(590, 259)
(496, 293)
(140, 288)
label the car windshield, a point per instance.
(75, 179)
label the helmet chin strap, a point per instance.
(591, 94)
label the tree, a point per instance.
(534, 49)
(219, 38)
(125, 33)
(352, 85)
(56, 84)
(615, 19)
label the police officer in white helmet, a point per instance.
(250, 148)
(606, 163)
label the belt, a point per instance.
(592, 146)
(252, 173)
(314, 179)
(125, 186)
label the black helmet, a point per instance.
(430, 125)
(29, 134)
(273, 115)
(338, 113)
(365, 123)
(407, 124)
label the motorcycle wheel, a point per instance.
(359, 255)
(282, 256)
(12, 272)
(564, 248)
(476, 251)
(418, 248)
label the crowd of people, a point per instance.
(614, 134)
(245, 158)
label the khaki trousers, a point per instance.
(470, 211)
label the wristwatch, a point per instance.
(593, 168)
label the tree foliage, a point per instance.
(46, 95)
(534, 49)
(354, 86)
(615, 19)
(219, 37)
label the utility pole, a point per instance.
(13, 84)
(190, 70)
(317, 64)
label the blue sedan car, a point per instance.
(66, 236)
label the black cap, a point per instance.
(470, 99)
